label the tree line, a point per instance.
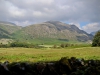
(96, 40)
(19, 44)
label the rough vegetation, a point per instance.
(64, 66)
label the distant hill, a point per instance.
(6, 31)
(53, 30)
(93, 33)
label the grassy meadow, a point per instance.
(47, 54)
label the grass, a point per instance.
(47, 54)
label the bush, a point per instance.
(62, 45)
(23, 44)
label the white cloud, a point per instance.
(45, 1)
(91, 27)
(25, 23)
(16, 12)
(37, 14)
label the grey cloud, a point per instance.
(34, 11)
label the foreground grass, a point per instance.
(38, 55)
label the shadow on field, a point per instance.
(64, 66)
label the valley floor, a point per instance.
(47, 54)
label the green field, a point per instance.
(47, 54)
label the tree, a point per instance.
(55, 46)
(62, 45)
(96, 40)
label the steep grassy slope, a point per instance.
(6, 31)
(4, 34)
(9, 27)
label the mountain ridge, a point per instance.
(7, 23)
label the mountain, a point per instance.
(52, 30)
(93, 33)
(46, 32)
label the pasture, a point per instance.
(47, 54)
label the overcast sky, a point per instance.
(83, 13)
